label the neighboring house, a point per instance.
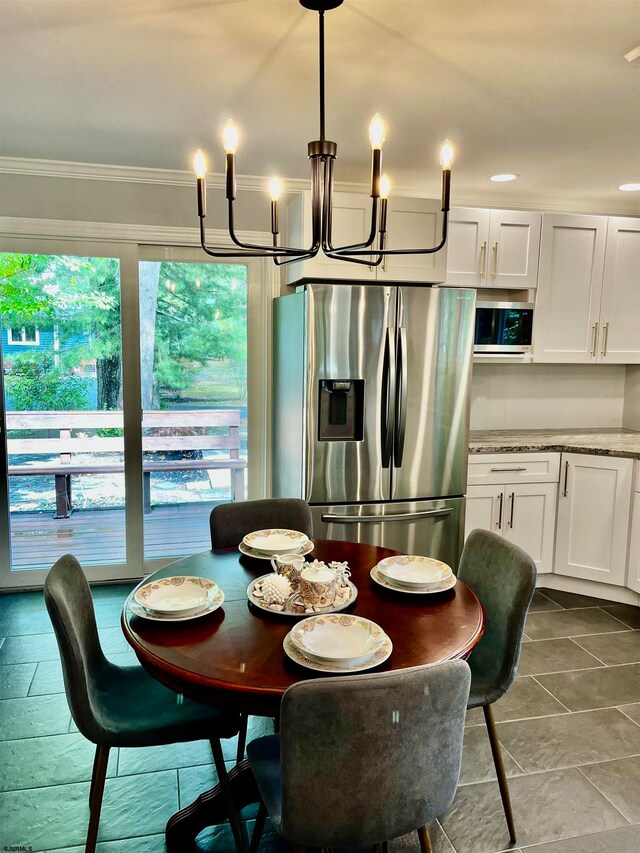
(20, 340)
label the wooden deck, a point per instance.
(98, 536)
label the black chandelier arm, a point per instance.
(327, 246)
(384, 252)
(269, 251)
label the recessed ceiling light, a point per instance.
(502, 178)
(629, 188)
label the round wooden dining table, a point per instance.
(233, 657)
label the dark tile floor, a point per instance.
(569, 726)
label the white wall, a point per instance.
(539, 396)
(631, 416)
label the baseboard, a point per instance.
(584, 587)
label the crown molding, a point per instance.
(143, 175)
(256, 183)
(115, 232)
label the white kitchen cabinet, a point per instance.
(588, 300)
(411, 223)
(493, 248)
(594, 503)
(567, 312)
(633, 571)
(620, 305)
(523, 513)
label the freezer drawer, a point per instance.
(430, 528)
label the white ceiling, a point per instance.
(536, 87)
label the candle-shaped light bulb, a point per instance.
(446, 155)
(230, 137)
(385, 186)
(275, 189)
(376, 131)
(200, 164)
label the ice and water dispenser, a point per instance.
(341, 409)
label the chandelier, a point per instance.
(322, 153)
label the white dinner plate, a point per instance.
(294, 608)
(175, 596)
(307, 548)
(275, 540)
(380, 579)
(210, 607)
(292, 652)
(413, 571)
(341, 640)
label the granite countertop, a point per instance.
(601, 442)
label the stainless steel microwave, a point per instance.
(503, 327)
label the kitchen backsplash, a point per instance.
(539, 396)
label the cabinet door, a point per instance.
(620, 309)
(530, 520)
(485, 506)
(467, 247)
(593, 517)
(566, 324)
(351, 224)
(414, 223)
(514, 246)
(633, 577)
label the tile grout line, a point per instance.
(529, 773)
(622, 711)
(552, 696)
(591, 653)
(622, 622)
(33, 678)
(602, 794)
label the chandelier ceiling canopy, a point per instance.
(322, 152)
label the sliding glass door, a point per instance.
(132, 401)
(193, 368)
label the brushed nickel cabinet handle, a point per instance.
(519, 468)
(499, 521)
(495, 260)
(594, 348)
(483, 260)
(566, 478)
(605, 339)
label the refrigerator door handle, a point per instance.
(388, 398)
(398, 516)
(401, 398)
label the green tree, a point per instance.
(36, 384)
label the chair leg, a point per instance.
(237, 827)
(425, 841)
(385, 847)
(258, 828)
(502, 776)
(95, 795)
(242, 737)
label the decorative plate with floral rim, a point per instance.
(275, 540)
(338, 638)
(178, 595)
(380, 579)
(331, 668)
(414, 571)
(212, 605)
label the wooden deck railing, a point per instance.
(164, 431)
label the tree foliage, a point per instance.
(200, 315)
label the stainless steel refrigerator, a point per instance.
(371, 411)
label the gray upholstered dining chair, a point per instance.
(504, 578)
(363, 759)
(122, 706)
(231, 522)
